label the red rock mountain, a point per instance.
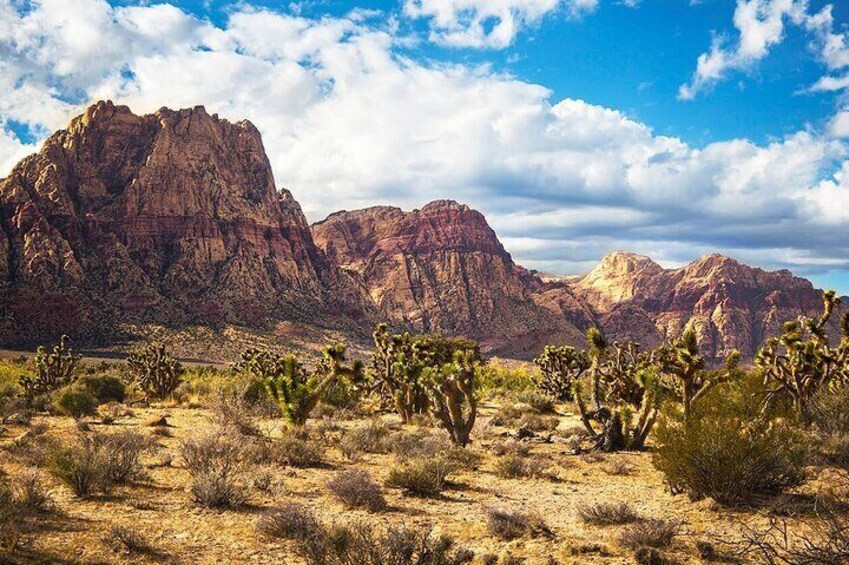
(168, 218)
(173, 219)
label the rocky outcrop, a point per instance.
(440, 269)
(171, 218)
(730, 305)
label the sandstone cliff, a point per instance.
(171, 218)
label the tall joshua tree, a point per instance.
(53, 369)
(452, 392)
(802, 360)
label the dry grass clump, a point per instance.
(214, 461)
(618, 468)
(655, 533)
(360, 543)
(126, 540)
(357, 489)
(22, 502)
(511, 524)
(514, 466)
(369, 438)
(607, 514)
(422, 476)
(30, 493)
(511, 447)
(539, 402)
(298, 449)
(231, 410)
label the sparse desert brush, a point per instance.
(123, 451)
(214, 488)
(538, 422)
(539, 401)
(514, 466)
(417, 442)
(512, 524)
(617, 467)
(289, 521)
(121, 539)
(368, 438)
(12, 516)
(297, 449)
(30, 494)
(231, 410)
(498, 377)
(357, 489)
(729, 451)
(511, 447)
(421, 476)
(215, 462)
(655, 533)
(112, 412)
(82, 465)
(607, 514)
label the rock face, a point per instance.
(439, 269)
(170, 218)
(173, 219)
(731, 305)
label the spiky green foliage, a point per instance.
(291, 385)
(452, 392)
(624, 391)
(53, 369)
(158, 373)
(684, 367)
(801, 361)
(399, 362)
(561, 368)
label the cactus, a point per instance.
(288, 382)
(561, 367)
(53, 369)
(451, 389)
(802, 361)
(689, 380)
(159, 374)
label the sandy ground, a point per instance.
(161, 510)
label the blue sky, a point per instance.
(668, 127)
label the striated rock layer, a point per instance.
(171, 218)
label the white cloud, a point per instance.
(761, 25)
(350, 120)
(487, 23)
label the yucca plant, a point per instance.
(53, 369)
(158, 373)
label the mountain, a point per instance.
(729, 304)
(169, 218)
(124, 227)
(441, 269)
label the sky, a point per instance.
(672, 128)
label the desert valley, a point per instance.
(385, 386)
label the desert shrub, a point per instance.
(368, 438)
(122, 451)
(113, 411)
(214, 489)
(214, 461)
(654, 533)
(30, 493)
(617, 467)
(728, 451)
(121, 539)
(509, 413)
(421, 476)
(231, 410)
(511, 447)
(497, 377)
(607, 514)
(510, 524)
(297, 449)
(360, 542)
(12, 516)
(538, 423)
(75, 401)
(357, 489)
(649, 556)
(289, 521)
(407, 444)
(829, 410)
(83, 466)
(513, 466)
(539, 402)
(104, 388)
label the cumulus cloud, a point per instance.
(487, 23)
(761, 25)
(350, 118)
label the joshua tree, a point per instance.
(288, 382)
(683, 361)
(158, 372)
(399, 361)
(451, 389)
(622, 384)
(53, 369)
(802, 361)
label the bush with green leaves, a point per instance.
(53, 369)
(158, 373)
(76, 401)
(294, 388)
(498, 377)
(105, 388)
(729, 450)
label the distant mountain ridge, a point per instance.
(173, 219)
